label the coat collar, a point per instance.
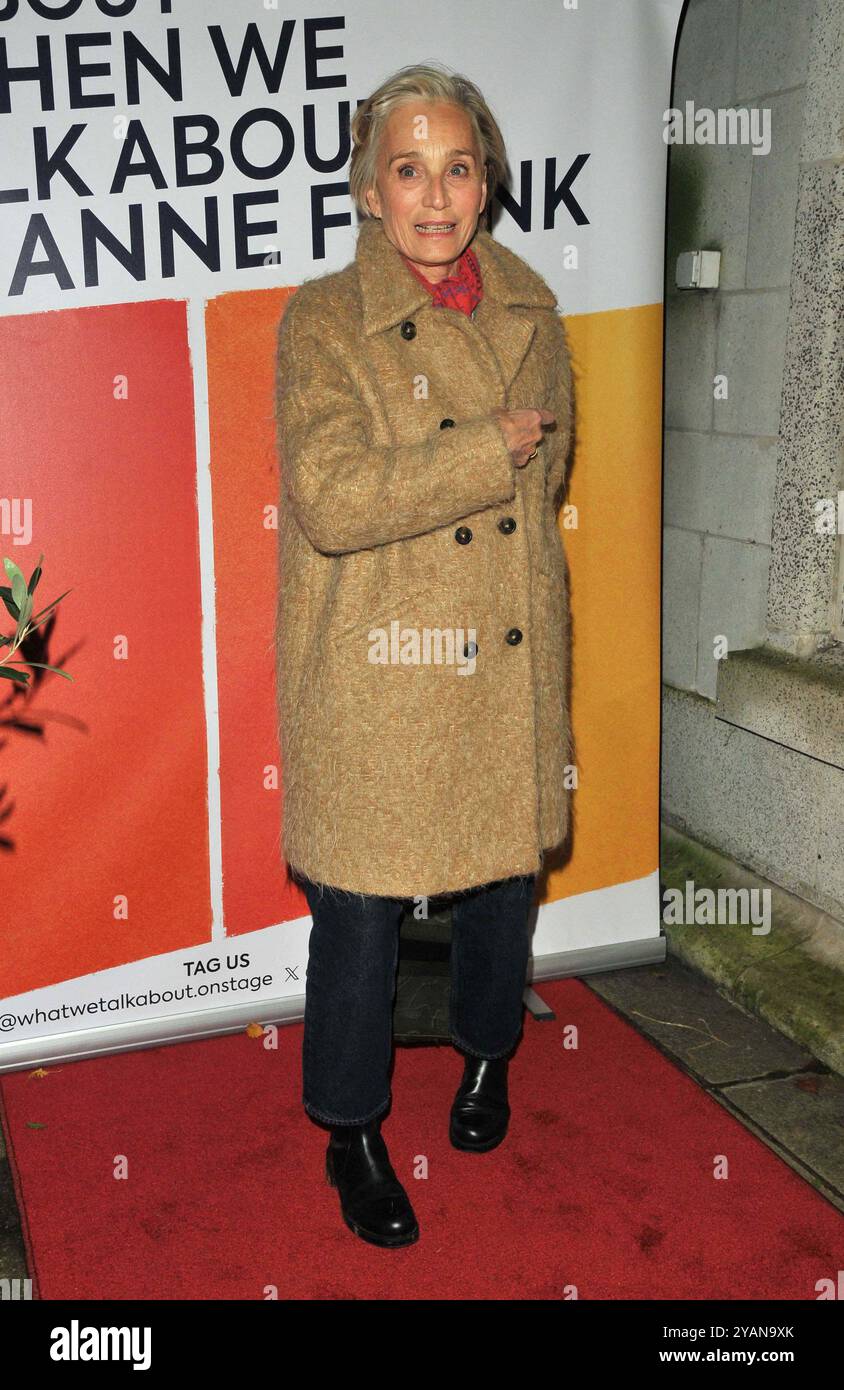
(391, 292)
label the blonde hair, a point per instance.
(426, 83)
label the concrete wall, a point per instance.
(753, 662)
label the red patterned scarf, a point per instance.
(462, 291)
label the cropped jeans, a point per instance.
(351, 984)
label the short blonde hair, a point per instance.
(426, 83)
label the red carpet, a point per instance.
(604, 1182)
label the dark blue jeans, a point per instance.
(351, 985)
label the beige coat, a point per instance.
(400, 504)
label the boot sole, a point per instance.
(481, 1148)
(385, 1242)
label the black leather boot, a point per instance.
(481, 1111)
(374, 1204)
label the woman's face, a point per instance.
(429, 171)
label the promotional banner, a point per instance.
(170, 172)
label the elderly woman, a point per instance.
(424, 414)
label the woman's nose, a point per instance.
(436, 195)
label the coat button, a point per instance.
(507, 524)
(446, 424)
(470, 649)
(514, 636)
(463, 535)
(408, 329)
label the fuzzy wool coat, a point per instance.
(407, 534)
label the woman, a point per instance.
(422, 631)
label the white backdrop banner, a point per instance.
(157, 156)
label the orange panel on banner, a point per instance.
(614, 557)
(241, 343)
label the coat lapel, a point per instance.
(391, 293)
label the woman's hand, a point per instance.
(522, 431)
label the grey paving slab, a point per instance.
(803, 1119)
(688, 1017)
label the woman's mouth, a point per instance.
(435, 228)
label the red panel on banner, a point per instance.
(106, 853)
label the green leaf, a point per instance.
(6, 596)
(26, 610)
(44, 667)
(11, 568)
(35, 576)
(6, 673)
(19, 592)
(16, 576)
(50, 605)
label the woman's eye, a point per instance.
(404, 167)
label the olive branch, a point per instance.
(17, 596)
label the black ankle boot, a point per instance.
(481, 1111)
(374, 1204)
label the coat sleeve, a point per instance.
(561, 402)
(350, 495)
